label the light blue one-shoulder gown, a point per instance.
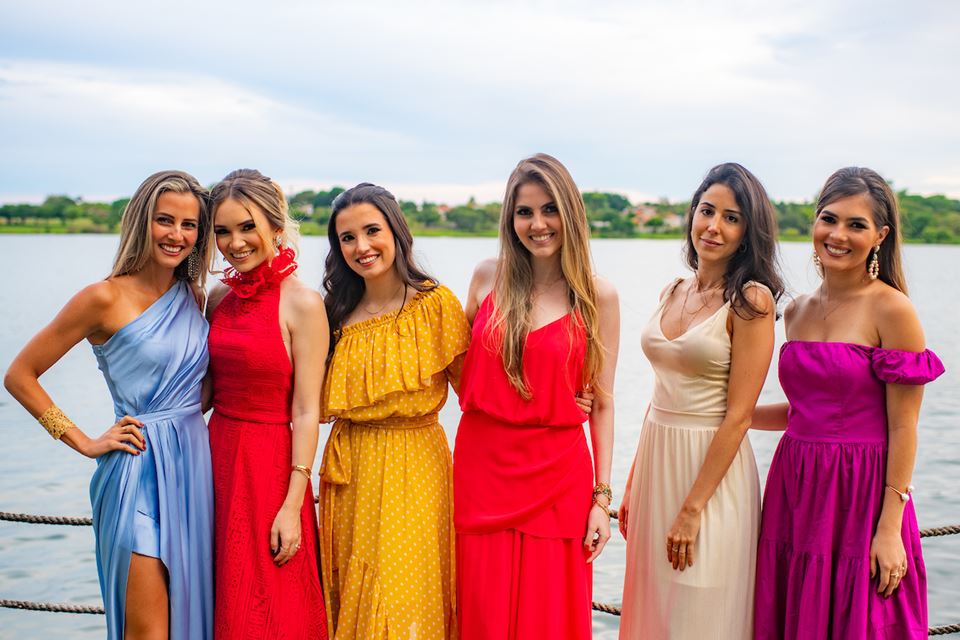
(159, 503)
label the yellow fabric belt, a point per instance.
(337, 459)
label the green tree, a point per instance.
(326, 198)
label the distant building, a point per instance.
(642, 213)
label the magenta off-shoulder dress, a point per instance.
(823, 498)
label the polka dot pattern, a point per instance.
(386, 517)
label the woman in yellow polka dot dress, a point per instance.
(387, 540)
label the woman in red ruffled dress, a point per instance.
(268, 342)
(543, 326)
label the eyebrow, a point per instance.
(851, 219)
(737, 211)
(528, 206)
(170, 215)
(239, 224)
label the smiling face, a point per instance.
(174, 227)
(239, 240)
(536, 221)
(844, 233)
(718, 225)
(366, 240)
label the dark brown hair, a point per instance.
(852, 181)
(756, 259)
(342, 285)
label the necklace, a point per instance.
(544, 289)
(824, 313)
(547, 286)
(703, 302)
(375, 312)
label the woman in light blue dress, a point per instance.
(152, 490)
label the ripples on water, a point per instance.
(46, 563)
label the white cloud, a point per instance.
(449, 95)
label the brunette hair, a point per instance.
(249, 187)
(756, 259)
(135, 240)
(343, 286)
(513, 289)
(852, 181)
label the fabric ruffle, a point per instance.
(821, 505)
(246, 284)
(906, 367)
(396, 353)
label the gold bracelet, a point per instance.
(603, 489)
(55, 422)
(904, 495)
(306, 471)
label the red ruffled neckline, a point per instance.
(246, 284)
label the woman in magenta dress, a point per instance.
(839, 553)
(543, 326)
(268, 341)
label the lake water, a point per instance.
(56, 564)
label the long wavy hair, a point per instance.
(513, 288)
(251, 188)
(756, 260)
(852, 181)
(134, 251)
(342, 285)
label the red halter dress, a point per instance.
(523, 478)
(250, 443)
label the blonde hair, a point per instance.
(513, 288)
(249, 187)
(135, 235)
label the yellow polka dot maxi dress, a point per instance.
(386, 493)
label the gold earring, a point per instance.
(817, 264)
(193, 265)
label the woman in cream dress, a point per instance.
(691, 508)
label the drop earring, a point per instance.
(817, 264)
(193, 265)
(873, 269)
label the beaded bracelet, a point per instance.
(603, 489)
(55, 422)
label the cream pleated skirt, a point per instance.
(713, 599)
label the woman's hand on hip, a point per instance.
(125, 435)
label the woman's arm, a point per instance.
(601, 418)
(305, 317)
(773, 417)
(79, 319)
(623, 513)
(770, 417)
(899, 328)
(751, 352)
(481, 284)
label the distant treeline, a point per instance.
(932, 219)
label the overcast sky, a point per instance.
(440, 100)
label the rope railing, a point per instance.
(933, 532)
(82, 521)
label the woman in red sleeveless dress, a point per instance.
(543, 326)
(268, 340)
